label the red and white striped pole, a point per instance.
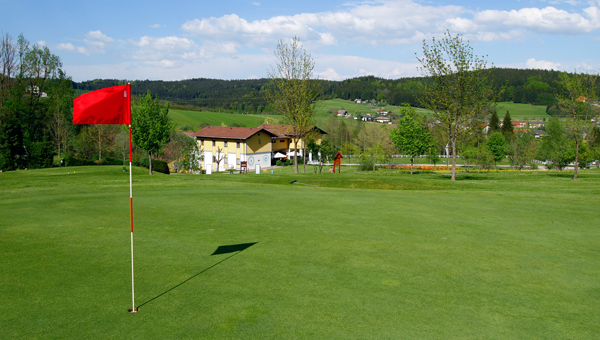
(133, 309)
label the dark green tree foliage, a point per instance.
(494, 125)
(29, 74)
(411, 136)
(150, 126)
(507, 127)
(496, 143)
(523, 86)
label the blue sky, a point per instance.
(172, 40)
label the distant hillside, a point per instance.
(522, 86)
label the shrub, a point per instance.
(160, 166)
(288, 161)
(110, 161)
(157, 165)
(278, 163)
(74, 161)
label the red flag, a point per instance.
(111, 105)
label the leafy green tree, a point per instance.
(555, 147)
(322, 153)
(580, 90)
(594, 145)
(411, 136)
(494, 125)
(292, 91)
(458, 87)
(150, 126)
(522, 150)
(507, 127)
(27, 77)
(496, 143)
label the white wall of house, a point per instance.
(263, 159)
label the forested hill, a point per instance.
(522, 86)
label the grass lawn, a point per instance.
(195, 118)
(380, 255)
(522, 111)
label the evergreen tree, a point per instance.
(507, 128)
(494, 123)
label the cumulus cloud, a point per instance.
(542, 64)
(386, 22)
(71, 48)
(97, 41)
(542, 20)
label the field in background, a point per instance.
(381, 255)
(195, 118)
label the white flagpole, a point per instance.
(133, 309)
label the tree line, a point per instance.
(36, 119)
(537, 87)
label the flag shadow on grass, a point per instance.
(232, 249)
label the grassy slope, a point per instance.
(490, 256)
(195, 118)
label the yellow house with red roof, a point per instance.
(225, 148)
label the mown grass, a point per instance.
(195, 118)
(357, 255)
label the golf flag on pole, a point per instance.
(111, 105)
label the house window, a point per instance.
(237, 145)
(202, 142)
(225, 143)
(259, 141)
(214, 143)
(281, 141)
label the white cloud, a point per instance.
(97, 35)
(71, 48)
(386, 22)
(97, 41)
(542, 64)
(256, 4)
(542, 20)
(156, 26)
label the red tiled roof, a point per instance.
(282, 131)
(229, 132)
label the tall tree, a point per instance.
(292, 90)
(494, 125)
(507, 127)
(411, 136)
(496, 143)
(28, 74)
(150, 125)
(580, 91)
(458, 87)
(555, 146)
(521, 150)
